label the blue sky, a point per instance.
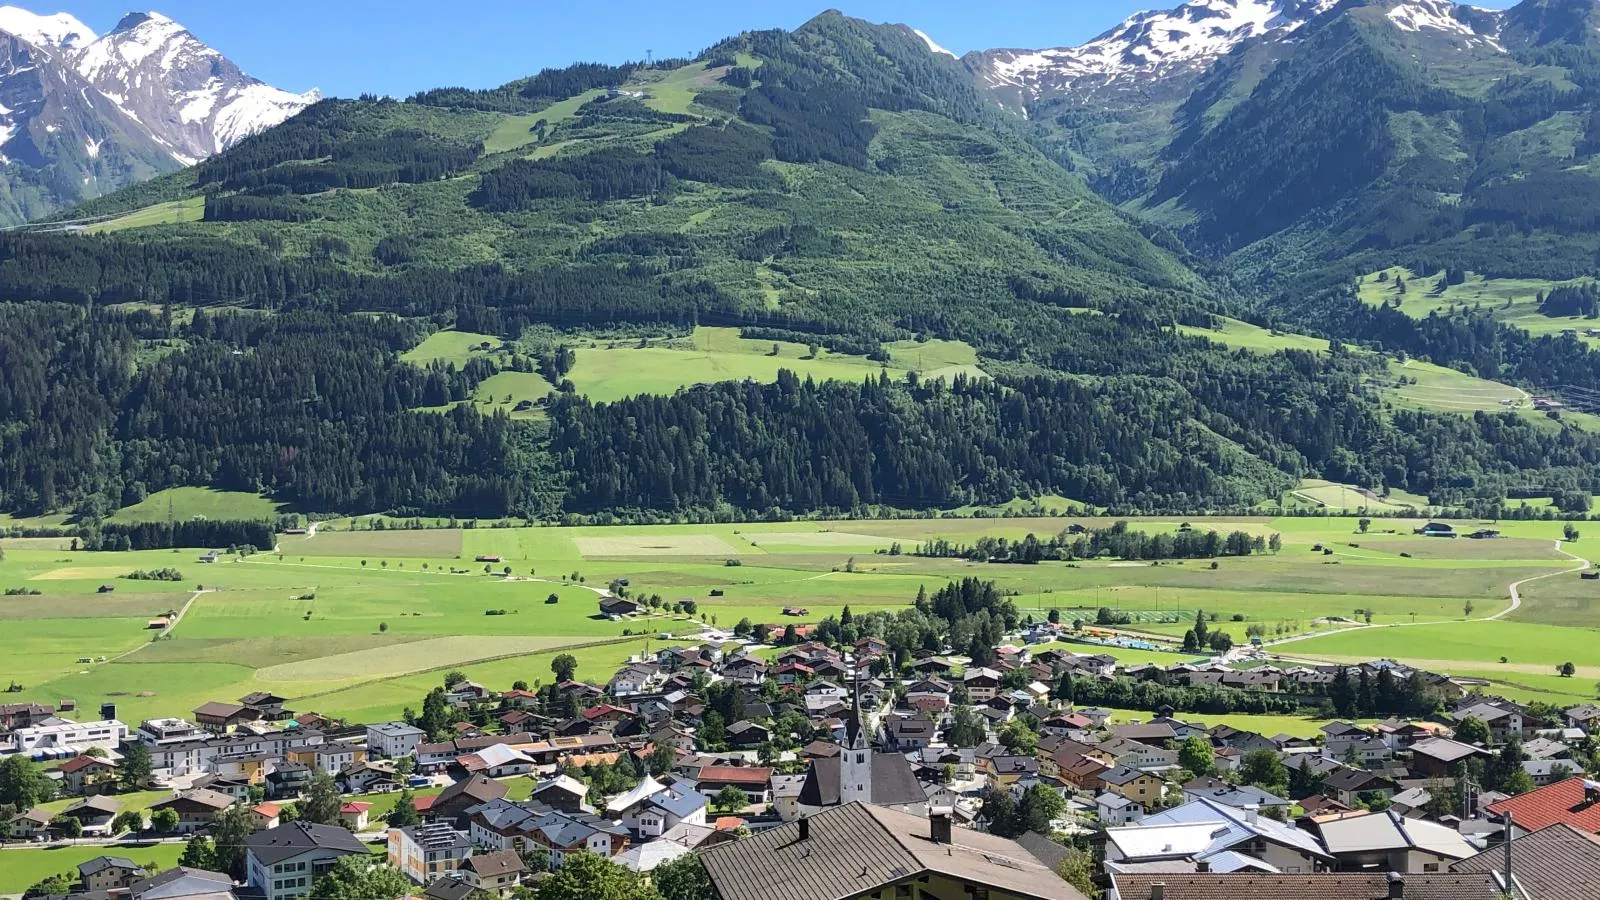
(347, 47)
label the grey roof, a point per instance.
(1557, 862)
(181, 882)
(1277, 886)
(1444, 749)
(856, 848)
(288, 841)
(893, 782)
(679, 803)
(101, 863)
(1391, 831)
(394, 729)
(1121, 775)
(448, 889)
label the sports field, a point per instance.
(363, 623)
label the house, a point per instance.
(1202, 831)
(1506, 722)
(181, 883)
(268, 705)
(393, 739)
(353, 815)
(87, 775)
(564, 833)
(497, 761)
(981, 684)
(104, 873)
(753, 780)
(282, 862)
(1437, 529)
(454, 802)
(658, 811)
(1441, 757)
(1137, 755)
(219, 717)
(1557, 862)
(427, 853)
(329, 759)
(195, 808)
(1348, 785)
(23, 715)
(617, 607)
(907, 733)
(29, 824)
(1116, 810)
(563, 792)
(746, 670)
(1266, 885)
(266, 815)
(1242, 796)
(1133, 784)
(64, 736)
(860, 851)
(94, 813)
(495, 872)
(748, 735)
(1574, 801)
(1083, 773)
(1390, 842)
(369, 776)
(1583, 716)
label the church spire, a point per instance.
(854, 731)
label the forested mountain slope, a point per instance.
(841, 186)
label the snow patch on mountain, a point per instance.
(1439, 16)
(61, 30)
(1195, 35)
(191, 98)
(931, 44)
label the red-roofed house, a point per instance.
(755, 781)
(87, 774)
(1571, 802)
(266, 815)
(792, 673)
(353, 814)
(606, 712)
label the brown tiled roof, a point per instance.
(1558, 862)
(1563, 802)
(736, 774)
(494, 864)
(853, 849)
(1266, 886)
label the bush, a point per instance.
(168, 574)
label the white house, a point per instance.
(281, 863)
(393, 739)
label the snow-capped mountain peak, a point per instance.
(1193, 35)
(932, 46)
(61, 30)
(191, 98)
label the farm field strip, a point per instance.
(313, 623)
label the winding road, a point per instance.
(1515, 589)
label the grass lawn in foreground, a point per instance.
(21, 869)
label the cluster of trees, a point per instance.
(311, 406)
(1115, 540)
(1201, 636)
(163, 535)
(406, 157)
(797, 445)
(1367, 695)
(1571, 300)
(612, 173)
(1129, 693)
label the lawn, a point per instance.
(20, 869)
(1513, 301)
(455, 347)
(170, 213)
(1421, 385)
(185, 503)
(1245, 336)
(363, 623)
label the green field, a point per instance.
(362, 623)
(186, 503)
(1513, 301)
(613, 370)
(455, 347)
(170, 213)
(22, 868)
(1245, 336)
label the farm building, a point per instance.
(795, 611)
(1437, 529)
(617, 606)
(487, 558)
(159, 623)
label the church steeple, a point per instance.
(855, 763)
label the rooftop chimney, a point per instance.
(939, 826)
(1202, 867)
(1158, 891)
(1252, 814)
(1397, 886)
(805, 829)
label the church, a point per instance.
(861, 773)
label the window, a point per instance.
(902, 892)
(1430, 867)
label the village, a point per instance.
(733, 757)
